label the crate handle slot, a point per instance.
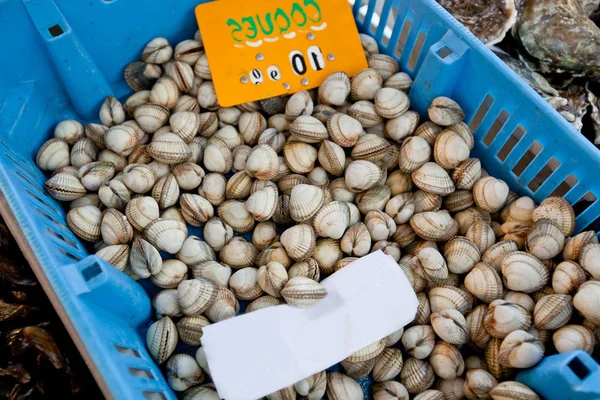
(82, 79)
(499, 122)
(127, 351)
(141, 373)
(427, 85)
(481, 112)
(99, 284)
(552, 165)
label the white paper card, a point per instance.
(256, 354)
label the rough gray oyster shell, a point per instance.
(560, 36)
(489, 20)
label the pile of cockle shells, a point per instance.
(321, 178)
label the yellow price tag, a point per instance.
(266, 48)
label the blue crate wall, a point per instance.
(47, 76)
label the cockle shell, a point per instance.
(166, 191)
(545, 240)
(65, 187)
(390, 390)
(523, 272)
(302, 292)
(141, 76)
(391, 103)
(492, 355)
(567, 277)
(139, 178)
(262, 162)
(362, 175)
(183, 372)
(235, 214)
(552, 311)
(342, 387)
(188, 51)
(434, 225)
(85, 222)
(344, 129)
(431, 264)
(151, 117)
(300, 103)
(190, 328)
(334, 89)
(332, 157)
(327, 253)
(385, 65)
(251, 125)
(496, 253)
(575, 244)
(401, 207)
(433, 179)
(166, 235)
(511, 390)
(521, 211)
(418, 341)
(370, 147)
(111, 112)
(116, 255)
(164, 92)
(449, 297)
(490, 194)
(461, 255)
(53, 155)
(484, 282)
(94, 174)
(503, 317)
(207, 96)
(379, 224)
(414, 153)
(305, 201)
(332, 220)
(402, 126)
(166, 303)
(589, 259)
(417, 375)
(187, 103)
(475, 323)
(141, 211)
(115, 228)
(185, 124)
(224, 306)
(558, 210)
(144, 259)
(194, 251)
(238, 253)
(520, 350)
(365, 84)
(90, 199)
(364, 112)
(69, 130)
(170, 275)
(262, 203)
(244, 285)
(444, 111)
(272, 277)
(214, 188)
(96, 133)
(240, 155)
(481, 234)
(195, 209)
(213, 271)
(478, 384)
(446, 361)
(188, 175)
(451, 326)
(196, 295)
(357, 240)
(450, 149)
(263, 302)
(587, 301)
(388, 365)
(299, 157)
(425, 201)
(169, 149)
(273, 138)
(161, 339)
(209, 123)
(217, 156)
(572, 338)
(312, 387)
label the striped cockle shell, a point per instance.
(188, 51)
(166, 303)
(190, 329)
(151, 116)
(183, 372)
(431, 265)
(478, 384)
(391, 103)
(490, 193)
(121, 139)
(195, 209)
(117, 255)
(552, 311)
(344, 129)
(96, 133)
(187, 103)
(166, 235)
(141, 211)
(300, 103)
(402, 126)
(305, 202)
(244, 284)
(484, 283)
(433, 179)
(417, 375)
(115, 228)
(589, 259)
(214, 188)
(53, 154)
(434, 225)
(523, 272)
(164, 92)
(545, 240)
(139, 178)
(309, 269)
(567, 277)
(327, 253)
(332, 220)
(451, 326)
(380, 225)
(65, 187)
(111, 112)
(334, 89)
(170, 275)
(390, 390)
(385, 65)
(444, 111)
(362, 175)
(332, 157)
(388, 365)
(169, 149)
(481, 233)
(94, 174)
(262, 203)
(235, 214)
(264, 234)
(185, 124)
(209, 123)
(365, 84)
(467, 173)
(587, 301)
(251, 125)
(356, 240)
(575, 244)
(445, 297)
(503, 317)
(85, 222)
(303, 292)
(299, 241)
(166, 191)
(83, 152)
(213, 271)
(141, 76)
(161, 339)
(461, 255)
(450, 149)
(512, 390)
(574, 337)
(418, 341)
(273, 138)
(144, 259)
(558, 210)
(496, 253)
(300, 157)
(263, 302)
(196, 295)
(364, 112)
(475, 323)
(188, 175)
(69, 130)
(370, 147)
(342, 387)
(217, 156)
(194, 250)
(224, 306)
(520, 350)
(312, 387)
(446, 361)
(238, 253)
(272, 277)
(414, 153)
(262, 162)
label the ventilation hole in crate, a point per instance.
(91, 272)
(375, 20)
(19, 165)
(153, 395)
(39, 198)
(51, 218)
(55, 30)
(127, 351)
(527, 158)
(403, 36)
(584, 203)
(495, 128)
(391, 23)
(141, 373)
(61, 237)
(544, 173)
(444, 52)
(414, 56)
(567, 184)
(33, 185)
(579, 368)
(362, 12)
(511, 142)
(481, 112)
(71, 256)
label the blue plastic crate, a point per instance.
(61, 58)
